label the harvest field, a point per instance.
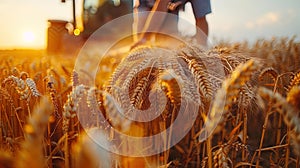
(247, 101)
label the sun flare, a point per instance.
(28, 37)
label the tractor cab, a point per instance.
(99, 12)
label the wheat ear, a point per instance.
(268, 71)
(293, 96)
(295, 81)
(75, 79)
(171, 87)
(53, 96)
(225, 97)
(200, 73)
(71, 105)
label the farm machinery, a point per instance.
(67, 37)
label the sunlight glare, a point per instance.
(28, 37)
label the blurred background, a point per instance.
(24, 22)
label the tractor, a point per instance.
(67, 37)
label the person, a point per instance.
(201, 8)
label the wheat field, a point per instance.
(246, 116)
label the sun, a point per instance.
(28, 37)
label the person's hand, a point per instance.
(172, 6)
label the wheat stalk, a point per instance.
(69, 112)
(8, 98)
(289, 113)
(32, 146)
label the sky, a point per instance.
(238, 20)
(24, 22)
